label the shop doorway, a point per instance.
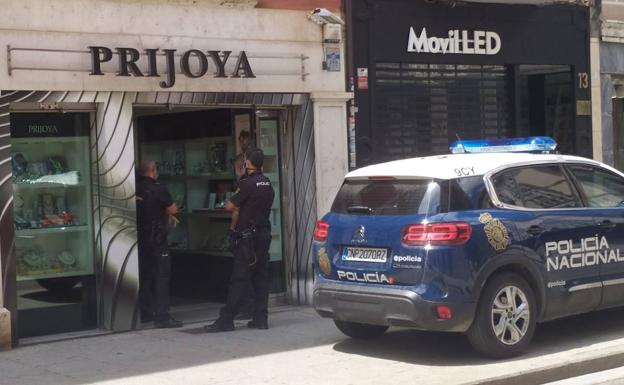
(198, 152)
(546, 104)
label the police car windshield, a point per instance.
(387, 197)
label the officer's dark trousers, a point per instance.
(243, 273)
(155, 271)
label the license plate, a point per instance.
(364, 254)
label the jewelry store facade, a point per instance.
(81, 105)
(427, 72)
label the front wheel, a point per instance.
(360, 331)
(505, 320)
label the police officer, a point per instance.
(251, 204)
(155, 210)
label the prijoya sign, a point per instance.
(462, 42)
(128, 58)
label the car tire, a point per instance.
(360, 331)
(502, 329)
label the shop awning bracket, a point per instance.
(9, 59)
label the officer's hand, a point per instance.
(173, 221)
(233, 237)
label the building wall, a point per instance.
(609, 24)
(49, 57)
(332, 5)
(77, 24)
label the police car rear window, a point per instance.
(387, 197)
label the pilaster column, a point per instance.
(330, 145)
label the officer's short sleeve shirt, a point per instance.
(154, 199)
(254, 199)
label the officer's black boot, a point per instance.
(253, 324)
(220, 325)
(167, 321)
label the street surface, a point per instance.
(302, 348)
(607, 377)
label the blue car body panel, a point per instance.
(569, 256)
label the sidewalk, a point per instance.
(303, 348)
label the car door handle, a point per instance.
(535, 230)
(606, 224)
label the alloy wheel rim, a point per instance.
(510, 315)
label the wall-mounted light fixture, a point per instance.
(332, 37)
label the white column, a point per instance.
(330, 145)
(596, 97)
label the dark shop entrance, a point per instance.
(198, 153)
(426, 73)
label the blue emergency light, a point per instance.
(534, 144)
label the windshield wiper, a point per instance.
(359, 210)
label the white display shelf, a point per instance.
(45, 274)
(48, 139)
(269, 151)
(42, 185)
(50, 230)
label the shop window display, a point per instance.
(53, 221)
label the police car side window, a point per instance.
(535, 187)
(467, 193)
(601, 187)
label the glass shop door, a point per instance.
(56, 285)
(268, 128)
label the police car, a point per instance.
(488, 240)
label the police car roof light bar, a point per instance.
(534, 144)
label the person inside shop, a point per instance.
(156, 210)
(251, 204)
(245, 144)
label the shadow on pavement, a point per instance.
(452, 349)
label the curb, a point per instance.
(560, 371)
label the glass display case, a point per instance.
(52, 207)
(53, 219)
(200, 177)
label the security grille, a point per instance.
(422, 108)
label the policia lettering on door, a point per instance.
(571, 254)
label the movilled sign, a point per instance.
(128, 58)
(457, 41)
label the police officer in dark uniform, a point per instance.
(155, 210)
(251, 204)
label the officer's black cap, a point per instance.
(256, 157)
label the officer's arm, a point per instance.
(236, 200)
(232, 207)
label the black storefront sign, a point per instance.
(46, 125)
(472, 70)
(128, 58)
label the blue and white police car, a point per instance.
(487, 241)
